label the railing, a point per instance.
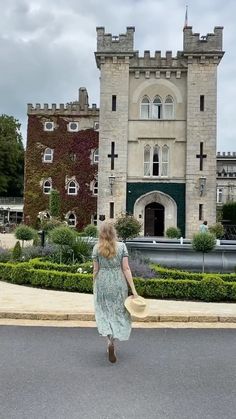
(8, 200)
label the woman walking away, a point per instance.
(111, 273)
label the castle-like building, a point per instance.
(157, 139)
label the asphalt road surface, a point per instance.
(63, 373)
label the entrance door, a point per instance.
(154, 219)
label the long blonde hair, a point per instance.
(107, 240)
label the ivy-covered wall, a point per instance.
(64, 144)
(175, 190)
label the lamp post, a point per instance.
(111, 182)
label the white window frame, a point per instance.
(96, 156)
(94, 219)
(74, 188)
(169, 105)
(48, 129)
(48, 152)
(157, 103)
(95, 188)
(70, 129)
(96, 126)
(144, 105)
(219, 195)
(49, 187)
(148, 163)
(72, 224)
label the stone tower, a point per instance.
(112, 57)
(203, 55)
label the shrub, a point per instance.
(54, 203)
(213, 289)
(90, 230)
(229, 212)
(173, 233)
(82, 249)
(63, 236)
(17, 251)
(24, 232)
(217, 229)
(203, 242)
(31, 252)
(127, 227)
(5, 255)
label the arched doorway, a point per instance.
(154, 219)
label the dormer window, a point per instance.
(48, 126)
(73, 127)
(48, 155)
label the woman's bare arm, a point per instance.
(128, 275)
(95, 269)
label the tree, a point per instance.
(64, 237)
(11, 157)
(203, 242)
(173, 233)
(24, 232)
(127, 227)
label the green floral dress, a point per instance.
(110, 291)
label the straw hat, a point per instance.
(136, 306)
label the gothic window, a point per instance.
(96, 156)
(147, 160)
(219, 195)
(155, 161)
(72, 188)
(47, 186)
(169, 108)
(164, 160)
(95, 187)
(71, 219)
(48, 155)
(157, 108)
(145, 108)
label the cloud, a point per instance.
(47, 48)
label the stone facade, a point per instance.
(165, 113)
(225, 178)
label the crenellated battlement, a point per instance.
(80, 107)
(211, 42)
(106, 42)
(158, 61)
(226, 155)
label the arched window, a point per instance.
(96, 156)
(147, 160)
(165, 160)
(95, 187)
(145, 108)
(48, 155)
(47, 186)
(155, 161)
(169, 108)
(71, 219)
(72, 188)
(157, 108)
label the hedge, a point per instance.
(211, 288)
(166, 273)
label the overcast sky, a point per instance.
(47, 48)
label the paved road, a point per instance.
(63, 373)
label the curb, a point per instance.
(91, 317)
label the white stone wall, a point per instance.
(201, 127)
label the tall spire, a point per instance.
(186, 18)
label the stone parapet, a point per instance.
(212, 42)
(106, 42)
(62, 109)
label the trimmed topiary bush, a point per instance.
(203, 242)
(25, 233)
(213, 289)
(173, 233)
(127, 227)
(17, 251)
(90, 231)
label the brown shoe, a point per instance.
(111, 353)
